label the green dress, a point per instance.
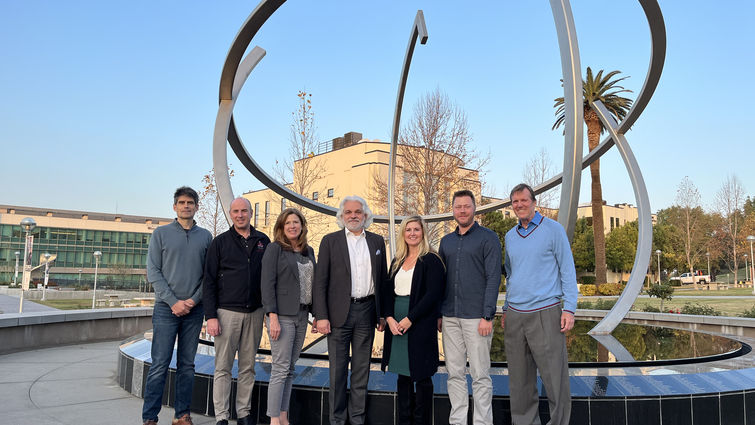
(399, 361)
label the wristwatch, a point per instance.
(488, 318)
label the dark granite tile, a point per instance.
(199, 394)
(170, 388)
(750, 407)
(705, 410)
(144, 377)
(442, 409)
(544, 410)
(580, 412)
(733, 408)
(210, 404)
(325, 408)
(644, 411)
(380, 409)
(676, 411)
(119, 368)
(127, 374)
(259, 403)
(608, 412)
(306, 406)
(501, 410)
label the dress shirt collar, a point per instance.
(349, 234)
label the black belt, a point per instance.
(361, 299)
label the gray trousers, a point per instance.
(534, 342)
(239, 333)
(285, 352)
(357, 334)
(462, 341)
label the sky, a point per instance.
(109, 106)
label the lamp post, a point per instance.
(751, 239)
(28, 224)
(707, 254)
(97, 255)
(15, 276)
(747, 270)
(658, 253)
(47, 275)
(80, 278)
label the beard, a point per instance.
(354, 226)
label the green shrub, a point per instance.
(700, 309)
(587, 280)
(749, 313)
(600, 304)
(587, 290)
(651, 309)
(585, 305)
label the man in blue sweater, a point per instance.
(175, 263)
(540, 277)
(472, 254)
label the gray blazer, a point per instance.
(280, 280)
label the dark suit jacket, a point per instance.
(280, 280)
(331, 294)
(428, 288)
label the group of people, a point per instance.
(240, 280)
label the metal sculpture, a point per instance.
(235, 72)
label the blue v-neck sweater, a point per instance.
(539, 267)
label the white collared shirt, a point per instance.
(361, 266)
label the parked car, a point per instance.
(688, 278)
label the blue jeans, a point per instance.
(165, 327)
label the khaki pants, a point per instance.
(239, 333)
(462, 341)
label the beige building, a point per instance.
(615, 215)
(71, 237)
(352, 165)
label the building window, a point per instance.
(283, 204)
(256, 213)
(267, 212)
(315, 195)
(330, 193)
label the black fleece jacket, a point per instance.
(232, 274)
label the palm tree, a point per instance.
(607, 91)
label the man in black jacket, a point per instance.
(233, 308)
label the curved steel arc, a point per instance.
(573, 113)
(645, 227)
(419, 31)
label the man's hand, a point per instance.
(213, 327)
(485, 327)
(274, 326)
(404, 325)
(180, 308)
(440, 324)
(190, 303)
(380, 326)
(314, 326)
(503, 319)
(323, 326)
(567, 321)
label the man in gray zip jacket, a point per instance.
(175, 264)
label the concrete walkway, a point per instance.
(70, 385)
(9, 304)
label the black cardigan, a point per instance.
(428, 287)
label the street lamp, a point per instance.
(747, 270)
(28, 224)
(97, 255)
(47, 275)
(658, 253)
(707, 254)
(15, 276)
(751, 239)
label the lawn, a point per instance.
(727, 306)
(77, 304)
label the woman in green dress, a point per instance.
(411, 308)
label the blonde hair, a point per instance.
(280, 236)
(402, 248)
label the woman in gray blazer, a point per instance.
(287, 272)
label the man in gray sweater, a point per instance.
(175, 264)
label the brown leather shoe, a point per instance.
(183, 420)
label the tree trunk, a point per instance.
(599, 236)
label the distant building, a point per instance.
(72, 237)
(351, 165)
(615, 215)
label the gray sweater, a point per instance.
(473, 264)
(175, 262)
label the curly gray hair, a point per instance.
(367, 212)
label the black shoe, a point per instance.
(222, 422)
(246, 420)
